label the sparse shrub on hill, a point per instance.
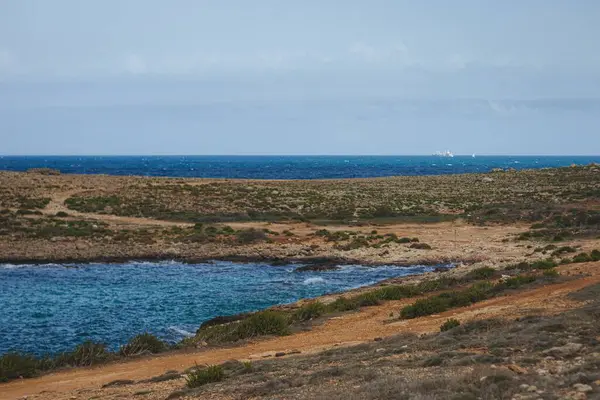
(449, 324)
(342, 304)
(250, 235)
(258, 324)
(551, 273)
(202, 376)
(143, 343)
(420, 246)
(309, 311)
(581, 258)
(86, 354)
(461, 298)
(481, 273)
(16, 365)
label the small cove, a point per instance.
(47, 309)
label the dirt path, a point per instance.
(57, 204)
(348, 329)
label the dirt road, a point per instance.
(348, 329)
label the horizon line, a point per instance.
(297, 155)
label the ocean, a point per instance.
(47, 309)
(285, 167)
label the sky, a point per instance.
(304, 77)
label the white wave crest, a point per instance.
(180, 331)
(313, 281)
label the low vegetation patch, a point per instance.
(143, 343)
(449, 324)
(202, 376)
(461, 298)
(257, 324)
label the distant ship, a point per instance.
(446, 153)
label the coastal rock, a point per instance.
(568, 350)
(317, 268)
(582, 388)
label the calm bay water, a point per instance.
(52, 308)
(285, 167)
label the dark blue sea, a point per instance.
(285, 167)
(52, 308)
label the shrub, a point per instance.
(396, 292)
(16, 365)
(445, 301)
(420, 246)
(61, 214)
(258, 324)
(515, 282)
(367, 299)
(481, 273)
(356, 243)
(86, 354)
(551, 273)
(543, 264)
(562, 250)
(343, 304)
(309, 311)
(202, 376)
(250, 235)
(432, 305)
(142, 343)
(582, 257)
(449, 324)
(595, 255)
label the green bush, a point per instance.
(202, 376)
(309, 311)
(258, 324)
(562, 250)
(481, 273)
(515, 282)
(342, 304)
(86, 354)
(448, 300)
(423, 307)
(367, 299)
(396, 292)
(250, 235)
(543, 264)
(143, 343)
(16, 365)
(551, 273)
(582, 257)
(449, 324)
(420, 246)
(595, 255)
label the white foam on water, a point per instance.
(313, 281)
(181, 332)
